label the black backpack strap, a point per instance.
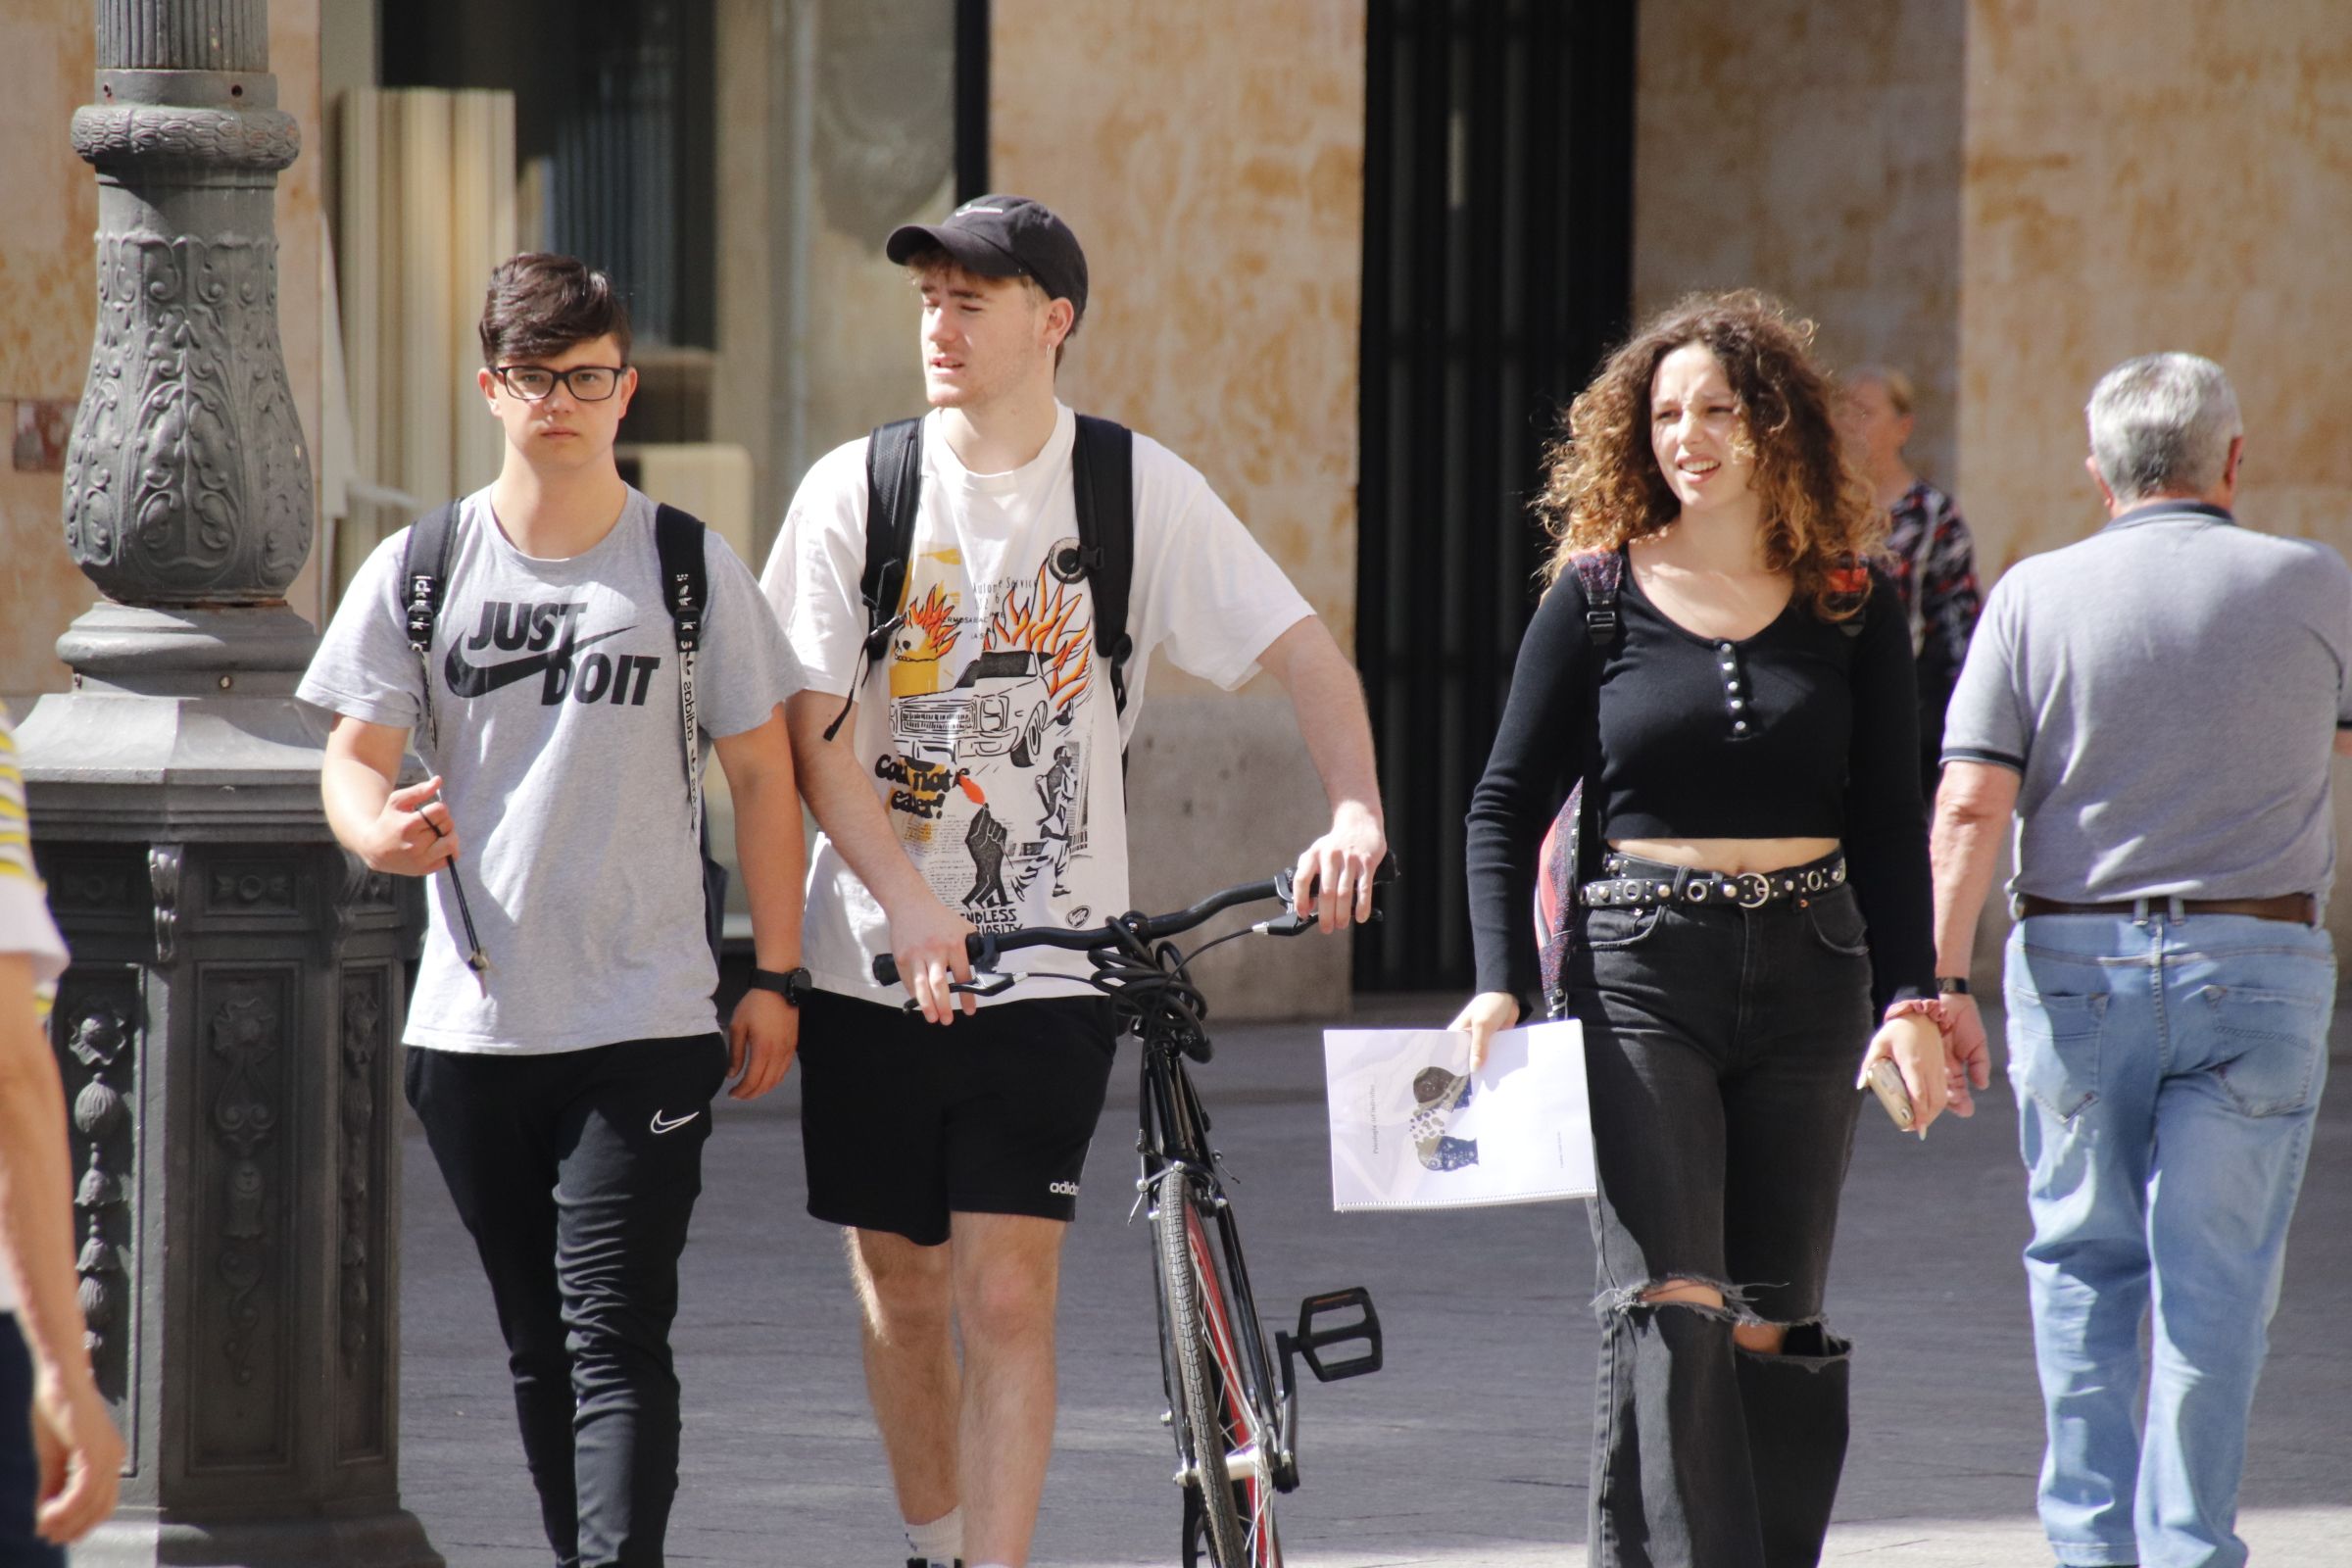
(1102, 480)
(424, 583)
(1575, 840)
(685, 591)
(894, 496)
(1600, 574)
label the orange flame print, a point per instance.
(1040, 620)
(934, 621)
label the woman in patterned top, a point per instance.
(60, 1467)
(1930, 554)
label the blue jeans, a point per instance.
(2168, 1071)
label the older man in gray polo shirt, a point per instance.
(2157, 705)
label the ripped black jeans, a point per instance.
(1721, 1046)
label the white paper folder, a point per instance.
(1410, 1129)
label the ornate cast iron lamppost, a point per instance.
(226, 1028)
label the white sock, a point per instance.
(941, 1541)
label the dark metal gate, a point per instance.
(1497, 268)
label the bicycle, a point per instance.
(1236, 1426)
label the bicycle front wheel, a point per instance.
(1225, 1443)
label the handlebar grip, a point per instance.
(979, 947)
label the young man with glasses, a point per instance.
(565, 1080)
(970, 777)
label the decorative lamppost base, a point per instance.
(382, 1540)
(228, 1033)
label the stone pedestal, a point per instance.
(229, 1028)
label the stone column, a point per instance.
(229, 1030)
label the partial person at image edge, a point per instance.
(60, 1458)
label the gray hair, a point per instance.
(2162, 424)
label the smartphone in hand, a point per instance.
(1886, 1082)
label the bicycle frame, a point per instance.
(1172, 1131)
(1135, 963)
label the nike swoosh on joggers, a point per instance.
(660, 1126)
(477, 680)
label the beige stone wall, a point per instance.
(48, 297)
(1812, 148)
(1210, 158)
(48, 301)
(2159, 175)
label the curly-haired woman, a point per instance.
(1753, 912)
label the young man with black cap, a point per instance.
(970, 776)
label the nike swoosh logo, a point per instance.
(661, 1126)
(477, 680)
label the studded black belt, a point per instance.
(1647, 884)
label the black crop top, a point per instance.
(1804, 730)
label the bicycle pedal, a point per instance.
(1312, 1339)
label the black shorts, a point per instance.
(904, 1122)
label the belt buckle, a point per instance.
(1755, 888)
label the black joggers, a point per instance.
(577, 1174)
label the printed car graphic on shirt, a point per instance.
(1000, 705)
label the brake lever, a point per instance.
(994, 985)
(1291, 922)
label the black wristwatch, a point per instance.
(1951, 985)
(792, 985)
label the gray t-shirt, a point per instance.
(556, 698)
(2169, 690)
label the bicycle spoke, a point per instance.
(1248, 1460)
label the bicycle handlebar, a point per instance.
(984, 948)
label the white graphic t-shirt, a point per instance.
(989, 727)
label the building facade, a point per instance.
(2003, 196)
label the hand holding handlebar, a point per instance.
(981, 949)
(1335, 874)
(931, 941)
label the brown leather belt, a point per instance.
(2300, 908)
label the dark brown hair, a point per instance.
(539, 305)
(934, 260)
(1602, 482)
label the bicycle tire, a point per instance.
(1236, 1514)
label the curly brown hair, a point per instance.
(1603, 486)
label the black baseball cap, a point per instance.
(1002, 236)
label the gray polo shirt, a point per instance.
(2169, 691)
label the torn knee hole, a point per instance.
(1807, 1341)
(1714, 1298)
(1680, 1289)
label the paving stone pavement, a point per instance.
(1468, 1449)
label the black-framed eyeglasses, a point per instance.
(587, 383)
